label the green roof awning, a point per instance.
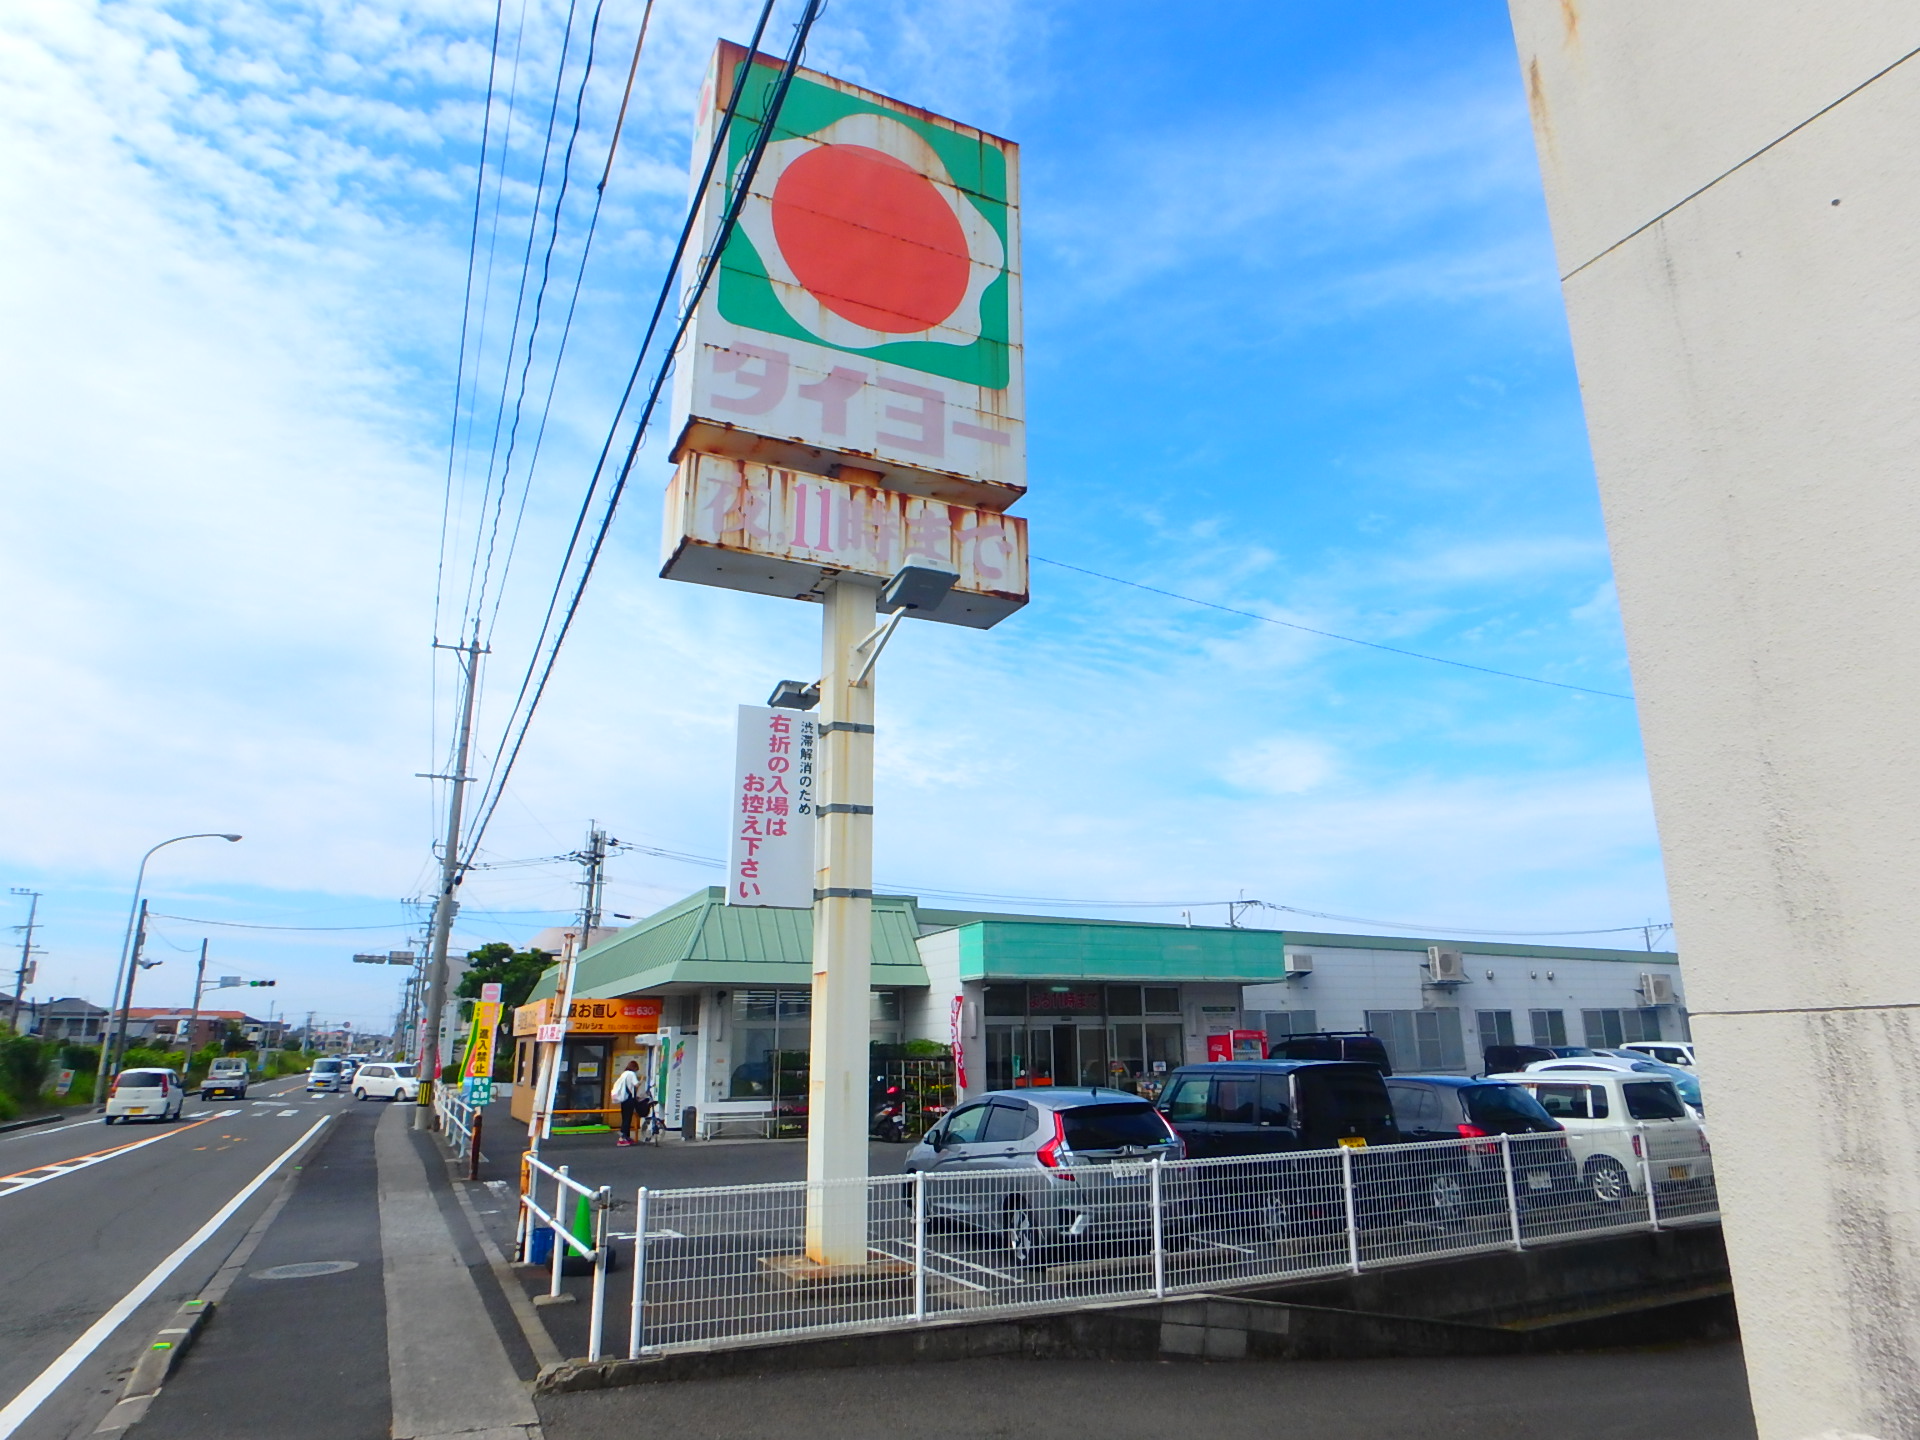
(705, 941)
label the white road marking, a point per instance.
(40, 1174)
(284, 1113)
(30, 1399)
(21, 1134)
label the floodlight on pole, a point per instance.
(795, 695)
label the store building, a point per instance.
(1034, 1000)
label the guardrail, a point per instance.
(724, 1266)
(534, 1217)
(461, 1124)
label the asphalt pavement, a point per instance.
(93, 1223)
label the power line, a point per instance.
(1330, 635)
(742, 187)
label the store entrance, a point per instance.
(1080, 1055)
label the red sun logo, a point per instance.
(871, 238)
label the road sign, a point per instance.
(491, 992)
(477, 1092)
(867, 307)
(486, 1021)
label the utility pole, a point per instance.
(110, 1062)
(26, 957)
(593, 883)
(446, 905)
(199, 983)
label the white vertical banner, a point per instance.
(771, 856)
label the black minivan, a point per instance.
(1273, 1107)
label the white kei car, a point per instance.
(386, 1080)
(1668, 1052)
(1622, 1128)
(146, 1095)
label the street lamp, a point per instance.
(123, 976)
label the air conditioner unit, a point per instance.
(1656, 989)
(1299, 963)
(1445, 967)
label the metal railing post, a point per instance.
(637, 1321)
(596, 1326)
(523, 1224)
(473, 1148)
(1646, 1174)
(559, 1235)
(1155, 1192)
(919, 1245)
(1513, 1191)
(1353, 1222)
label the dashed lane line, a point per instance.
(40, 1174)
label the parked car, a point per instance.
(1668, 1052)
(1503, 1059)
(1361, 1045)
(1622, 1125)
(329, 1073)
(1041, 1170)
(1465, 1179)
(146, 1094)
(386, 1080)
(1685, 1081)
(1276, 1107)
(227, 1075)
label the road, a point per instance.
(91, 1220)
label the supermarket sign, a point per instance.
(866, 309)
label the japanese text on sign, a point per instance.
(771, 852)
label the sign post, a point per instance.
(850, 417)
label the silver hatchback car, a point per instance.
(1042, 1170)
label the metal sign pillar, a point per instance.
(842, 934)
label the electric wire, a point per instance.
(531, 691)
(721, 132)
(1330, 635)
(540, 295)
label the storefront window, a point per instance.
(1006, 1000)
(770, 1042)
(1162, 999)
(1107, 1035)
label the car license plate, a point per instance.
(1130, 1169)
(1678, 1172)
(1353, 1142)
(136, 1109)
(1539, 1179)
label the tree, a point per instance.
(515, 972)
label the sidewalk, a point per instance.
(412, 1339)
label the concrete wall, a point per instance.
(1733, 192)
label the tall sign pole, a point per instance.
(850, 430)
(446, 906)
(842, 935)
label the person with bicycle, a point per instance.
(635, 1103)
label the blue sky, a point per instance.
(1295, 346)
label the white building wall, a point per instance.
(1346, 982)
(1735, 202)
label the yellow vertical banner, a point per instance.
(486, 1021)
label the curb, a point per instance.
(29, 1124)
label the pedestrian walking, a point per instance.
(634, 1102)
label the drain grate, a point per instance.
(306, 1269)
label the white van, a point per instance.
(1667, 1052)
(1622, 1128)
(146, 1094)
(227, 1075)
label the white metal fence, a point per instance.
(725, 1265)
(457, 1119)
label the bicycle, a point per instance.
(650, 1127)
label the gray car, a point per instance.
(1041, 1170)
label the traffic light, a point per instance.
(263, 982)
